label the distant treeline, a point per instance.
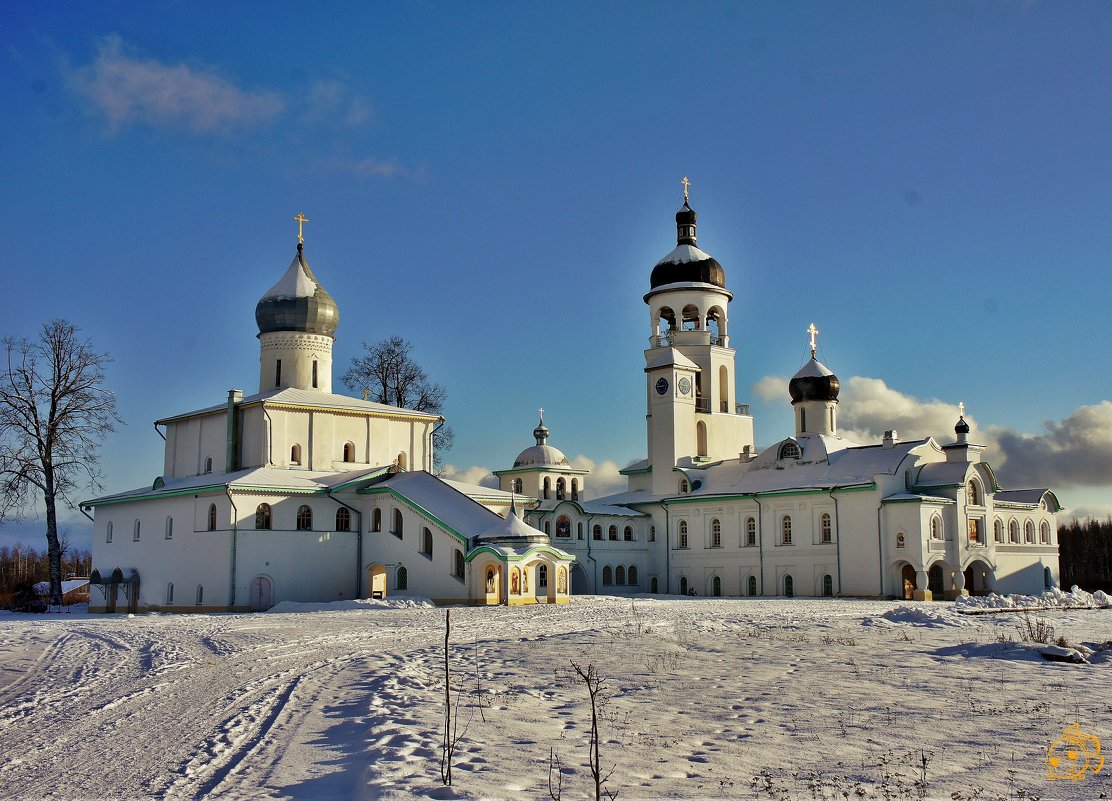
(1085, 554)
(21, 565)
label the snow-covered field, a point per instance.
(707, 698)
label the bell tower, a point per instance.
(693, 414)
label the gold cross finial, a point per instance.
(686, 185)
(366, 393)
(961, 409)
(300, 219)
(814, 338)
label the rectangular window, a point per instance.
(975, 535)
(314, 373)
(278, 373)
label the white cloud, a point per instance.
(1074, 452)
(772, 388)
(604, 478)
(868, 407)
(127, 88)
(332, 100)
(470, 475)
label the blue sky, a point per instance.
(927, 182)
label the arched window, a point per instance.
(262, 516)
(826, 528)
(200, 594)
(683, 486)
(789, 586)
(1048, 578)
(973, 494)
(716, 533)
(827, 585)
(212, 517)
(683, 533)
(936, 528)
(399, 527)
(563, 526)
(751, 531)
(575, 489)
(135, 531)
(547, 530)
(376, 519)
(169, 528)
(561, 489)
(998, 530)
(295, 454)
(1044, 532)
(459, 564)
(619, 575)
(935, 579)
(518, 486)
(789, 450)
(547, 487)
(654, 585)
(683, 585)
(631, 575)
(579, 531)
(786, 530)
(627, 534)
(349, 451)
(208, 464)
(401, 580)
(612, 533)
(752, 585)
(716, 586)
(652, 533)
(169, 593)
(607, 576)
(304, 518)
(701, 438)
(108, 532)
(401, 461)
(901, 540)
(596, 532)
(277, 372)
(426, 542)
(314, 373)
(542, 576)
(343, 519)
(1029, 532)
(1013, 530)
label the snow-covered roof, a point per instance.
(249, 479)
(905, 497)
(683, 254)
(541, 456)
(43, 587)
(290, 396)
(668, 356)
(1030, 497)
(813, 369)
(511, 530)
(942, 474)
(294, 283)
(635, 467)
(453, 508)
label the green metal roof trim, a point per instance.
(529, 553)
(540, 469)
(922, 499)
(415, 507)
(205, 490)
(373, 474)
(625, 471)
(772, 494)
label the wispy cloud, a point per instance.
(603, 479)
(334, 101)
(475, 474)
(127, 88)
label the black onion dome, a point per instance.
(298, 302)
(687, 264)
(962, 427)
(814, 381)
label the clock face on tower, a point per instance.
(685, 386)
(662, 386)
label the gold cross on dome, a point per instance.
(814, 341)
(300, 219)
(961, 409)
(686, 185)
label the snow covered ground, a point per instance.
(707, 698)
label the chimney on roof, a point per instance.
(891, 437)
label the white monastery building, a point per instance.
(814, 514)
(297, 493)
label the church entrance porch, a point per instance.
(376, 581)
(907, 582)
(978, 578)
(262, 594)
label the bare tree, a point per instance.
(593, 681)
(53, 415)
(389, 375)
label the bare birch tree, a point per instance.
(53, 415)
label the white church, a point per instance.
(297, 493)
(813, 514)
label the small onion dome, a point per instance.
(962, 427)
(687, 264)
(814, 381)
(542, 454)
(298, 303)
